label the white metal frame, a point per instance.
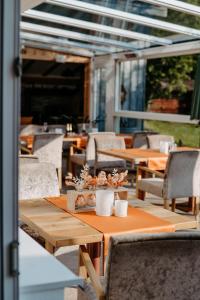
(177, 5)
(35, 14)
(75, 35)
(125, 16)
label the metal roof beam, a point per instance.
(62, 42)
(177, 5)
(125, 16)
(51, 47)
(170, 50)
(95, 27)
(75, 35)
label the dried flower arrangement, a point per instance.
(86, 181)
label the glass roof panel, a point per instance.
(131, 6)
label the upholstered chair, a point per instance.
(140, 139)
(106, 162)
(28, 159)
(38, 180)
(48, 148)
(154, 140)
(148, 266)
(30, 129)
(181, 179)
(89, 155)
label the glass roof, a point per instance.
(116, 28)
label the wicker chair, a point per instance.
(148, 266)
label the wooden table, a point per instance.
(153, 158)
(60, 228)
(137, 155)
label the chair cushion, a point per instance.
(80, 159)
(151, 185)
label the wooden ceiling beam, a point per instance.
(47, 55)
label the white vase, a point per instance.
(104, 202)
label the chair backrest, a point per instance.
(182, 174)
(48, 148)
(28, 159)
(155, 139)
(60, 127)
(103, 143)
(30, 129)
(38, 180)
(140, 139)
(154, 266)
(90, 149)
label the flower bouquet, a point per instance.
(83, 198)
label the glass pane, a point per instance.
(169, 85)
(184, 134)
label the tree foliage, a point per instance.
(169, 77)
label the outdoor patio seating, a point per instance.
(138, 264)
(48, 148)
(88, 154)
(106, 162)
(28, 159)
(38, 180)
(140, 139)
(153, 141)
(180, 180)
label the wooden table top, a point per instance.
(60, 228)
(56, 226)
(133, 154)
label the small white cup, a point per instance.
(121, 208)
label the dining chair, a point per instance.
(140, 139)
(48, 148)
(38, 180)
(105, 162)
(147, 266)
(153, 141)
(181, 179)
(27, 159)
(88, 154)
(30, 129)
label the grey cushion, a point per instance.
(152, 267)
(151, 185)
(90, 149)
(38, 180)
(158, 266)
(155, 139)
(48, 148)
(104, 143)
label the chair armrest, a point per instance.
(141, 169)
(92, 273)
(73, 147)
(26, 150)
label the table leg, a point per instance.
(49, 247)
(94, 250)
